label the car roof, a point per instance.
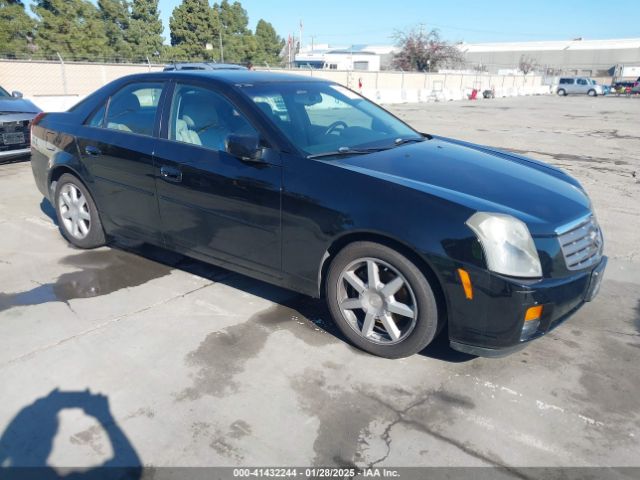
(230, 77)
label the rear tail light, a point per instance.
(36, 120)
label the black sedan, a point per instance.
(16, 114)
(305, 184)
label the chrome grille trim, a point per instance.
(581, 243)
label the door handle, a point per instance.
(171, 174)
(91, 150)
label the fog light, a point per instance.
(529, 329)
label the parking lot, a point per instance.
(197, 366)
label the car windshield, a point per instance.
(4, 93)
(324, 118)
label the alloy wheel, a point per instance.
(377, 301)
(74, 211)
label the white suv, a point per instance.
(579, 85)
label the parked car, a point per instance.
(203, 66)
(402, 233)
(580, 86)
(16, 114)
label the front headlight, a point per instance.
(507, 244)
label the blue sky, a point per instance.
(374, 21)
(345, 22)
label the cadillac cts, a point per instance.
(305, 184)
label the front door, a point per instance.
(214, 205)
(582, 86)
(116, 145)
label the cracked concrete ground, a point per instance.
(197, 366)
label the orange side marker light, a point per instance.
(466, 283)
(533, 313)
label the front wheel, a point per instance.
(592, 93)
(381, 301)
(77, 214)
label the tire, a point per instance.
(78, 217)
(402, 297)
(562, 92)
(592, 93)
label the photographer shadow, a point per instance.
(27, 442)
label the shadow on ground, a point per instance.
(101, 272)
(27, 442)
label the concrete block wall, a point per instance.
(57, 86)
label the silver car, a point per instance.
(16, 114)
(580, 86)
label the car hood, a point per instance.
(17, 105)
(482, 179)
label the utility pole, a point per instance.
(220, 35)
(221, 49)
(301, 28)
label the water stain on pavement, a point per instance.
(223, 354)
(96, 273)
(356, 421)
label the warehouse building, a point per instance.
(594, 58)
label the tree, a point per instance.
(269, 44)
(425, 51)
(527, 64)
(239, 43)
(192, 28)
(116, 17)
(144, 34)
(16, 34)
(72, 28)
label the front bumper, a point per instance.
(15, 153)
(491, 324)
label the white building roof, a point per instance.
(612, 44)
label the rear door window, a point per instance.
(97, 119)
(133, 108)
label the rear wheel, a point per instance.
(381, 301)
(562, 92)
(78, 217)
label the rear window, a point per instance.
(133, 108)
(566, 81)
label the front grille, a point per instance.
(581, 243)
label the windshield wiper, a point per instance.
(402, 141)
(344, 151)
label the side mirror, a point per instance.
(244, 147)
(16, 94)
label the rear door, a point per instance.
(212, 204)
(116, 144)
